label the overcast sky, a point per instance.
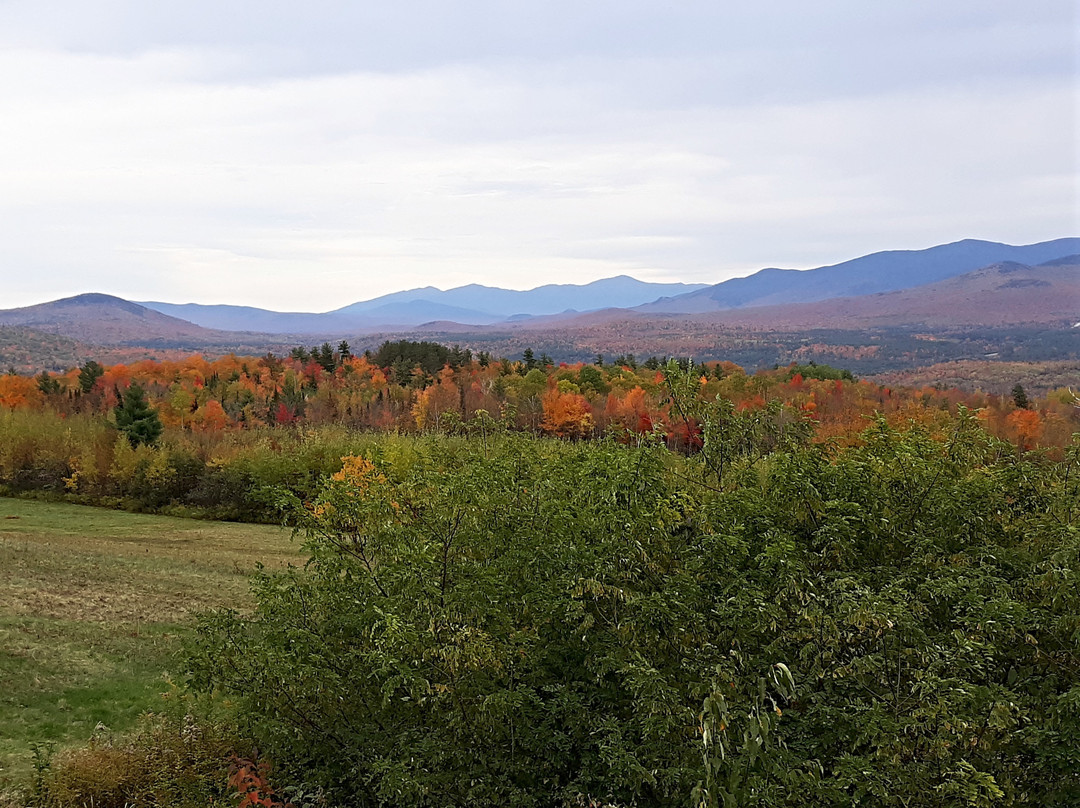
(302, 156)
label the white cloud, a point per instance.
(181, 172)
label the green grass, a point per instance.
(94, 605)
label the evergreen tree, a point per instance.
(136, 418)
(1020, 398)
(325, 357)
(89, 373)
(47, 384)
(430, 356)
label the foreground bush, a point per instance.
(531, 623)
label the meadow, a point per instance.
(94, 605)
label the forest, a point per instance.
(413, 386)
(650, 583)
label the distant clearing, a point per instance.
(93, 608)
(992, 376)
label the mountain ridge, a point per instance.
(103, 319)
(1005, 293)
(479, 305)
(902, 269)
(106, 320)
(471, 304)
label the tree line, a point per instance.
(412, 386)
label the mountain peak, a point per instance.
(101, 299)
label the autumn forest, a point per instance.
(410, 386)
(675, 583)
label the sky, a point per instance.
(304, 156)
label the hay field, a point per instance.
(93, 608)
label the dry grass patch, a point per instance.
(93, 607)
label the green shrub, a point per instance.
(527, 622)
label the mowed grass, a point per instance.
(94, 605)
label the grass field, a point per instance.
(93, 607)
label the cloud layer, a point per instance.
(305, 158)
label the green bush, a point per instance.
(527, 622)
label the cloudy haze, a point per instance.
(304, 156)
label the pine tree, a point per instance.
(325, 357)
(47, 384)
(1020, 398)
(136, 418)
(89, 373)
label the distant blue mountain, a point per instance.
(878, 272)
(419, 311)
(1064, 261)
(484, 305)
(621, 291)
(472, 305)
(249, 318)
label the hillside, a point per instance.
(106, 320)
(102, 318)
(29, 351)
(870, 274)
(1003, 294)
(26, 350)
(1037, 378)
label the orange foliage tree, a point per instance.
(566, 414)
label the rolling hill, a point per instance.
(1002, 294)
(879, 272)
(106, 320)
(26, 350)
(101, 318)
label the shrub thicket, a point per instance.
(528, 622)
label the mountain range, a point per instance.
(1002, 294)
(476, 305)
(968, 282)
(470, 305)
(869, 274)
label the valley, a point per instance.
(883, 313)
